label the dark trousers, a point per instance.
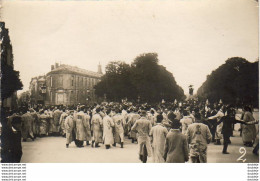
(213, 131)
(79, 143)
(143, 156)
(226, 142)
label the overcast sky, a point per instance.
(191, 37)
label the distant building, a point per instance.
(65, 85)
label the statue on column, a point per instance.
(191, 90)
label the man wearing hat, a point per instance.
(176, 146)
(143, 127)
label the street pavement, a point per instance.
(53, 150)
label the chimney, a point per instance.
(56, 65)
(99, 69)
(52, 67)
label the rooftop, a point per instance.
(74, 69)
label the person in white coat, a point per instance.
(108, 125)
(96, 127)
(119, 122)
(69, 126)
(158, 134)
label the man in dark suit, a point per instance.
(227, 128)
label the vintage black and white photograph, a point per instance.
(127, 81)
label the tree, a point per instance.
(236, 80)
(24, 98)
(144, 78)
(115, 84)
(10, 81)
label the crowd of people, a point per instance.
(169, 132)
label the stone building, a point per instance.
(66, 85)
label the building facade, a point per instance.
(66, 85)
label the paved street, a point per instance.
(53, 150)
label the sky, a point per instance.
(191, 37)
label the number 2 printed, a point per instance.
(242, 150)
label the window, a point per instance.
(51, 81)
(72, 81)
(60, 81)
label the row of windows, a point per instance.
(77, 95)
(84, 81)
(76, 81)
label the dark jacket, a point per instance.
(176, 147)
(228, 121)
(11, 144)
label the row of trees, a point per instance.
(234, 82)
(143, 79)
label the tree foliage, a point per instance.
(233, 82)
(144, 78)
(10, 81)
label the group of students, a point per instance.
(167, 132)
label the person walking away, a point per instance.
(61, 123)
(135, 116)
(119, 128)
(87, 128)
(198, 136)
(27, 121)
(69, 126)
(143, 127)
(55, 126)
(34, 122)
(124, 114)
(108, 125)
(128, 125)
(158, 136)
(151, 117)
(176, 145)
(50, 121)
(185, 121)
(80, 129)
(96, 126)
(44, 123)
